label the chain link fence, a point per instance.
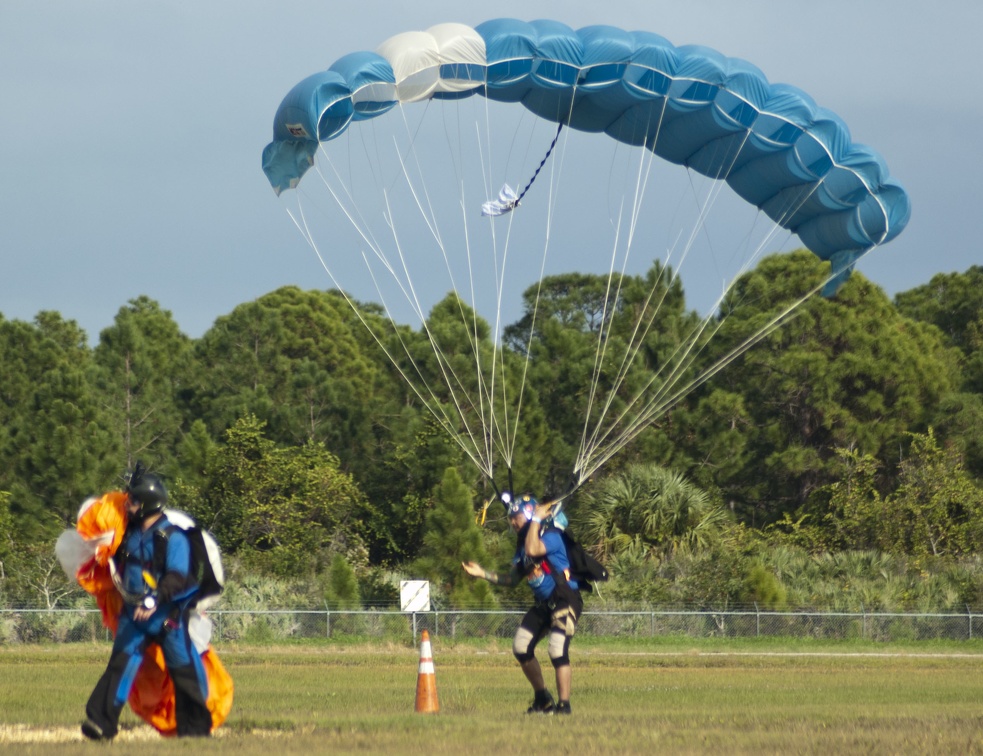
(85, 625)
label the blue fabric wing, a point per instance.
(690, 105)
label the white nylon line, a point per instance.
(591, 457)
(488, 424)
(638, 335)
(497, 432)
(412, 299)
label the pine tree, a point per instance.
(452, 537)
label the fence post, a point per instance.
(327, 619)
(757, 621)
(969, 614)
(863, 631)
(652, 622)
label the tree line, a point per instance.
(838, 462)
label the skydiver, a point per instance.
(540, 558)
(157, 591)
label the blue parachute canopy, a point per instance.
(690, 105)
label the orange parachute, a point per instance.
(84, 554)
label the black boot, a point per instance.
(542, 704)
(93, 731)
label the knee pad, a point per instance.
(523, 646)
(559, 649)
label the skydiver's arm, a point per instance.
(476, 570)
(171, 584)
(534, 546)
(177, 576)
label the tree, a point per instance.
(938, 507)
(305, 364)
(934, 512)
(56, 443)
(341, 585)
(452, 537)
(597, 344)
(8, 548)
(953, 302)
(648, 511)
(144, 363)
(476, 392)
(284, 510)
(712, 432)
(856, 516)
(295, 360)
(43, 579)
(194, 454)
(847, 372)
(462, 407)
(421, 452)
(959, 420)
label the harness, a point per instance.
(153, 569)
(562, 590)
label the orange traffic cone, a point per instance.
(426, 681)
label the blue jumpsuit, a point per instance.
(167, 626)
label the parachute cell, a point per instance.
(690, 105)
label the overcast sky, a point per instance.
(131, 132)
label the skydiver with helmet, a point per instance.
(541, 559)
(152, 570)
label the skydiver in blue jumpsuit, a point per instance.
(541, 559)
(155, 610)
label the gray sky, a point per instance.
(131, 132)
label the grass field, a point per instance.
(656, 696)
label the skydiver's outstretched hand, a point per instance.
(473, 569)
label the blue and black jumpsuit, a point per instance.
(175, 589)
(558, 602)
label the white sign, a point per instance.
(414, 595)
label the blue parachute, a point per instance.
(690, 105)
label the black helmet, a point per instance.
(147, 489)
